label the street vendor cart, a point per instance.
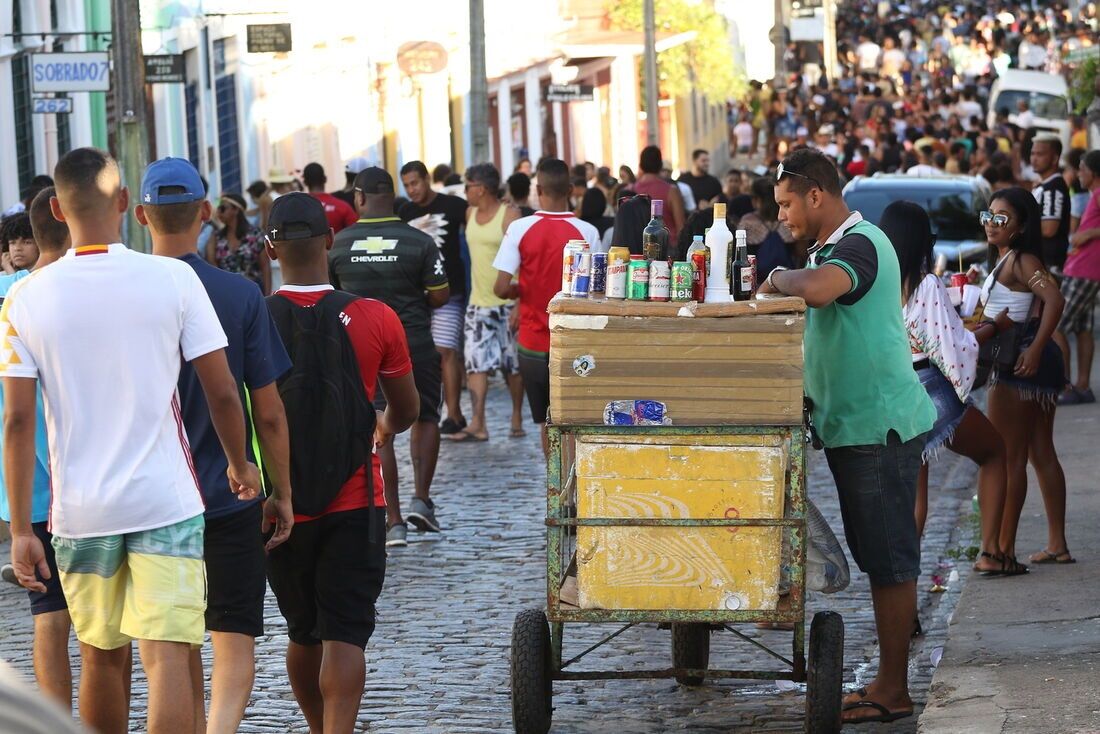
(694, 520)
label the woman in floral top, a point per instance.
(945, 356)
(238, 246)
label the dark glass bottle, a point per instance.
(655, 234)
(741, 272)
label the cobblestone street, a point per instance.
(439, 659)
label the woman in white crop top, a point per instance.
(1022, 402)
(945, 357)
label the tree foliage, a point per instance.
(704, 64)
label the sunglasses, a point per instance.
(781, 172)
(471, 185)
(997, 220)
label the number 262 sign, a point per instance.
(52, 105)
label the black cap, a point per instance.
(374, 180)
(296, 216)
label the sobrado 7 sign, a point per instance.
(70, 72)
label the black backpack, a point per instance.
(330, 419)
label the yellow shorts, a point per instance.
(149, 585)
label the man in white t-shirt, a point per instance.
(868, 53)
(103, 330)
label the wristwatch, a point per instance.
(770, 282)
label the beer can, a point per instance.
(617, 260)
(752, 267)
(568, 265)
(660, 277)
(682, 281)
(699, 275)
(599, 273)
(582, 275)
(637, 278)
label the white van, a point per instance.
(1047, 96)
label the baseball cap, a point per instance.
(374, 180)
(174, 172)
(296, 216)
(357, 165)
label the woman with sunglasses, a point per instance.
(945, 356)
(238, 246)
(1022, 401)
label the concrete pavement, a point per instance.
(1023, 654)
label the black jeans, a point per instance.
(877, 485)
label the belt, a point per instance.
(917, 366)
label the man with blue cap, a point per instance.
(173, 206)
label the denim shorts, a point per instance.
(877, 486)
(949, 409)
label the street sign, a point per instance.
(70, 72)
(269, 38)
(421, 57)
(164, 69)
(569, 93)
(52, 105)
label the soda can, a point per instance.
(752, 267)
(682, 281)
(568, 265)
(637, 278)
(617, 262)
(660, 280)
(582, 275)
(599, 273)
(699, 275)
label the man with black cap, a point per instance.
(351, 170)
(382, 257)
(340, 214)
(328, 575)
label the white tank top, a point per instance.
(996, 297)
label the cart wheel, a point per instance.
(825, 673)
(532, 687)
(690, 649)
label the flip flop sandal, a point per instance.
(517, 433)
(990, 572)
(885, 715)
(1045, 556)
(466, 437)
(1012, 567)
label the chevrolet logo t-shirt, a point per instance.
(395, 263)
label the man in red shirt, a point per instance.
(532, 250)
(328, 576)
(337, 211)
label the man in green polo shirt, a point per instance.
(383, 258)
(870, 410)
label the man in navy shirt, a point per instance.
(174, 207)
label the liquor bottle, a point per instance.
(655, 234)
(698, 257)
(718, 239)
(741, 287)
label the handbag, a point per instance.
(998, 354)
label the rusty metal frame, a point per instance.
(561, 484)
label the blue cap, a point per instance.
(175, 172)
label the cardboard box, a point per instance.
(724, 364)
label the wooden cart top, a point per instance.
(562, 304)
